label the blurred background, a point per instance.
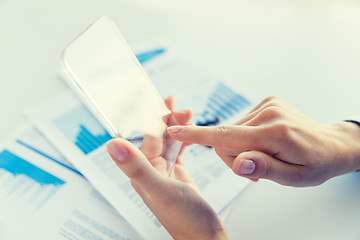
(307, 52)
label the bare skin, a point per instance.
(174, 200)
(277, 142)
(274, 141)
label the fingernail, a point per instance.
(246, 167)
(182, 111)
(117, 151)
(175, 129)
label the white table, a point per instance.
(307, 52)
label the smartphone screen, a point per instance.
(104, 72)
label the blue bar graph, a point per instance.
(16, 166)
(62, 162)
(222, 104)
(147, 56)
(88, 142)
(82, 128)
(24, 187)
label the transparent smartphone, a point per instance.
(103, 71)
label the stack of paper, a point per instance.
(58, 182)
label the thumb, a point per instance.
(255, 165)
(134, 164)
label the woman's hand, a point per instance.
(174, 200)
(275, 141)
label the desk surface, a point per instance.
(307, 52)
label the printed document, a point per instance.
(71, 128)
(41, 197)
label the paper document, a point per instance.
(81, 138)
(42, 199)
(69, 126)
(173, 71)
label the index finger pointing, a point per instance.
(225, 137)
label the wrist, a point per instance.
(349, 135)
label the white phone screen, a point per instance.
(103, 71)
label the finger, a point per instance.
(185, 145)
(230, 153)
(232, 137)
(183, 117)
(152, 146)
(268, 102)
(266, 116)
(267, 110)
(257, 165)
(228, 157)
(178, 117)
(228, 160)
(170, 102)
(134, 164)
(160, 164)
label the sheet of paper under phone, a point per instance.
(103, 71)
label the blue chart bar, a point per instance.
(62, 163)
(222, 104)
(81, 128)
(23, 186)
(147, 56)
(16, 165)
(88, 142)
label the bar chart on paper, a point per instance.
(82, 129)
(24, 187)
(222, 104)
